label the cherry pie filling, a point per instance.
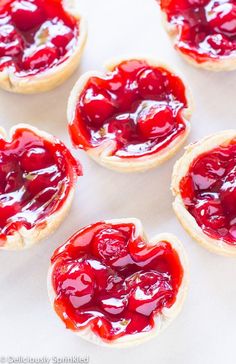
(35, 35)
(209, 192)
(108, 279)
(136, 106)
(206, 29)
(35, 179)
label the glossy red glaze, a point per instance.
(35, 35)
(36, 177)
(206, 29)
(209, 192)
(137, 107)
(109, 279)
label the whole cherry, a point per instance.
(35, 159)
(148, 290)
(155, 120)
(79, 283)
(97, 107)
(207, 172)
(42, 57)
(151, 83)
(209, 213)
(27, 14)
(109, 244)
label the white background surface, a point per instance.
(205, 331)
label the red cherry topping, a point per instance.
(122, 128)
(107, 279)
(228, 193)
(78, 288)
(216, 44)
(150, 83)
(136, 105)
(109, 244)
(210, 209)
(97, 107)
(55, 32)
(35, 159)
(148, 290)
(207, 29)
(35, 35)
(222, 17)
(26, 14)
(36, 178)
(209, 192)
(155, 121)
(11, 43)
(42, 57)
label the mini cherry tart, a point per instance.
(40, 43)
(111, 286)
(38, 176)
(203, 31)
(132, 118)
(204, 183)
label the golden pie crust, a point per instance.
(180, 170)
(25, 238)
(103, 153)
(163, 319)
(52, 77)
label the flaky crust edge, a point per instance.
(51, 78)
(101, 154)
(216, 65)
(24, 238)
(180, 169)
(161, 320)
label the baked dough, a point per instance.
(180, 170)
(163, 319)
(103, 153)
(25, 238)
(52, 77)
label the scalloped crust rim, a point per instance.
(103, 153)
(25, 238)
(163, 319)
(53, 77)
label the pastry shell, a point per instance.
(51, 77)
(163, 319)
(103, 153)
(25, 238)
(180, 170)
